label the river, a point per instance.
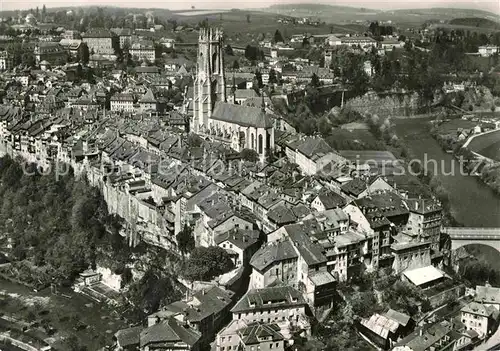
(472, 203)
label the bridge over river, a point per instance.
(461, 236)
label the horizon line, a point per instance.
(442, 6)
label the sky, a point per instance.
(490, 5)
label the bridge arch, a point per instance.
(463, 236)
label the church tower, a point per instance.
(209, 85)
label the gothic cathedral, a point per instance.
(241, 127)
(210, 84)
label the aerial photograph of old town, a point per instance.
(285, 175)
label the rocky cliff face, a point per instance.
(389, 105)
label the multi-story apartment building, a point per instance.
(313, 155)
(124, 36)
(279, 304)
(425, 220)
(143, 50)
(51, 52)
(101, 41)
(207, 311)
(71, 34)
(480, 318)
(293, 258)
(239, 335)
(148, 101)
(410, 255)
(122, 102)
(6, 62)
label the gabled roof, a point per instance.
(148, 97)
(169, 331)
(331, 199)
(480, 309)
(354, 187)
(255, 332)
(242, 115)
(309, 251)
(399, 317)
(487, 294)
(314, 146)
(389, 204)
(129, 336)
(271, 253)
(239, 237)
(426, 336)
(380, 325)
(97, 33)
(271, 297)
(205, 303)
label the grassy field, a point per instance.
(241, 32)
(341, 139)
(482, 63)
(261, 22)
(401, 18)
(451, 127)
(487, 145)
(464, 28)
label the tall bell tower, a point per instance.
(209, 85)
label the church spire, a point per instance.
(263, 102)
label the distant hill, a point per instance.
(475, 22)
(322, 7)
(448, 12)
(346, 14)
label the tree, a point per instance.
(278, 38)
(44, 12)
(257, 80)
(305, 42)
(252, 53)
(185, 239)
(236, 64)
(249, 155)
(248, 18)
(374, 28)
(228, 50)
(272, 76)
(84, 54)
(315, 82)
(205, 263)
(153, 290)
(324, 126)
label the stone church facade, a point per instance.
(241, 127)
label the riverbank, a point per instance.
(471, 202)
(478, 155)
